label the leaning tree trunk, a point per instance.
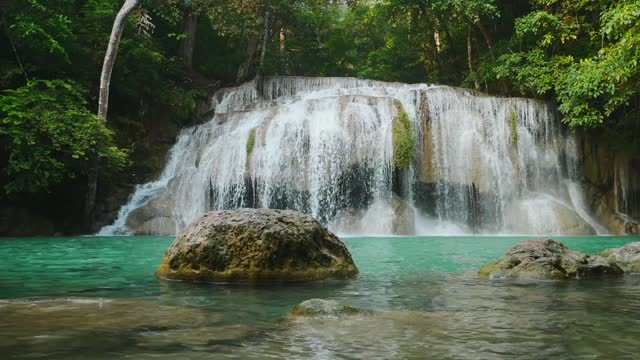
(103, 100)
(110, 55)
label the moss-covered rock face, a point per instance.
(548, 259)
(251, 141)
(326, 308)
(626, 257)
(256, 244)
(513, 125)
(404, 141)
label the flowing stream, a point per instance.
(325, 146)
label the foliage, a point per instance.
(40, 28)
(404, 141)
(53, 136)
(583, 55)
(598, 87)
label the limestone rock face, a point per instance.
(626, 257)
(548, 259)
(604, 207)
(530, 216)
(325, 308)
(154, 218)
(256, 244)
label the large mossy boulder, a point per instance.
(548, 259)
(256, 244)
(626, 257)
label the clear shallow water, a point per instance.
(93, 297)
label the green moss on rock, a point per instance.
(513, 123)
(251, 141)
(404, 141)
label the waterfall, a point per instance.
(325, 146)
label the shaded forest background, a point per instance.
(581, 54)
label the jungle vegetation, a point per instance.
(581, 54)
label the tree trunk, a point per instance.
(103, 100)
(470, 61)
(485, 34)
(188, 44)
(487, 38)
(265, 36)
(283, 64)
(243, 70)
(259, 79)
(110, 55)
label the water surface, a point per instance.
(97, 297)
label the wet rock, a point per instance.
(604, 206)
(626, 257)
(154, 218)
(256, 244)
(322, 308)
(548, 259)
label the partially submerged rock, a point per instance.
(548, 259)
(256, 244)
(626, 257)
(324, 308)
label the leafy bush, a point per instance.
(53, 136)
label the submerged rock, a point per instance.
(321, 307)
(256, 244)
(626, 257)
(548, 259)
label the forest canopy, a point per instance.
(581, 54)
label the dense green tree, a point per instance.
(53, 136)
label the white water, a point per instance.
(325, 146)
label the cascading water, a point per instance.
(325, 146)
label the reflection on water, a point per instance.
(97, 298)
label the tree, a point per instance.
(110, 55)
(53, 136)
(103, 99)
